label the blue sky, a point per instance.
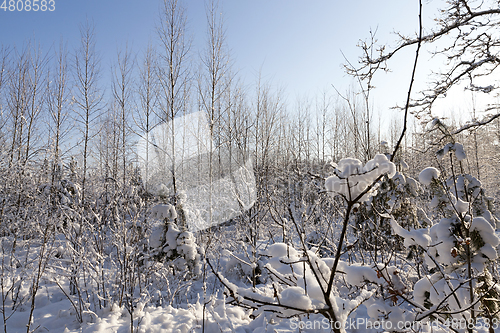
(295, 43)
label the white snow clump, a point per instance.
(486, 230)
(419, 237)
(461, 206)
(455, 147)
(426, 175)
(351, 178)
(163, 211)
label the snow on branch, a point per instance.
(478, 123)
(352, 179)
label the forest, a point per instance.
(184, 200)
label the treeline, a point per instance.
(56, 106)
(57, 110)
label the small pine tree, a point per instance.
(460, 249)
(176, 246)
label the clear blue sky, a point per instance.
(296, 43)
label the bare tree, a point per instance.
(213, 82)
(303, 130)
(267, 108)
(17, 102)
(173, 72)
(323, 106)
(109, 142)
(122, 92)
(38, 63)
(465, 34)
(4, 61)
(88, 98)
(58, 100)
(148, 102)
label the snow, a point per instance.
(489, 251)
(419, 237)
(157, 235)
(443, 287)
(377, 309)
(296, 297)
(164, 211)
(427, 175)
(55, 313)
(358, 274)
(352, 178)
(281, 250)
(457, 148)
(443, 241)
(462, 206)
(421, 288)
(287, 273)
(459, 152)
(485, 229)
(170, 319)
(413, 186)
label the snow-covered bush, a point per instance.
(298, 281)
(448, 263)
(398, 196)
(171, 244)
(352, 180)
(459, 250)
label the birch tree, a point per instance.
(147, 104)
(58, 102)
(213, 82)
(173, 73)
(122, 88)
(88, 98)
